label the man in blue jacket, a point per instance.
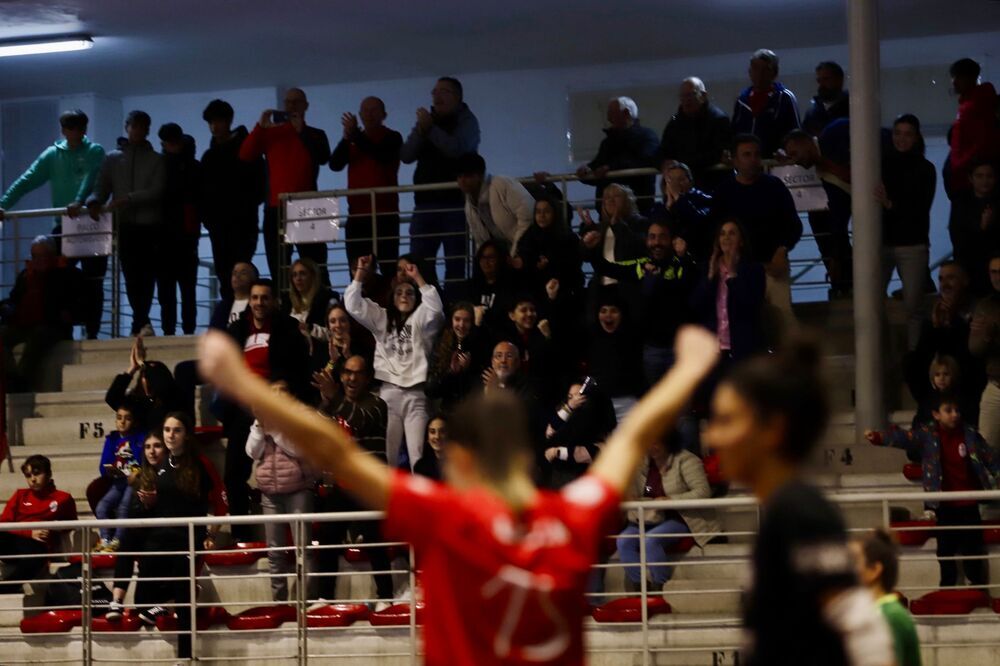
(70, 166)
(766, 109)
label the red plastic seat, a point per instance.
(337, 615)
(51, 622)
(244, 553)
(207, 434)
(910, 536)
(913, 472)
(127, 622)
(991, 535)
(356, 555)
(262, 617)
(950, 602)
(208, 617)
(630, 609)
(713, 470)
(996, 605)
(97, 560)
(396, 615)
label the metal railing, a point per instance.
(704, 590)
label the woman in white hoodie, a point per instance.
(404, 338)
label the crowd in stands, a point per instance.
(392, 356)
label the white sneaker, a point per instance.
(381, 606)
(316, 605)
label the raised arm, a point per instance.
(697, 351)
(320, 441)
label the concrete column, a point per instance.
(869, 294)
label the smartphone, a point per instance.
(588, 386)
(279, 117)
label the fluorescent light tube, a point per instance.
(48, 46)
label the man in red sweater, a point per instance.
(371, 156)
(975, 135)
(40, 501)
(294, 152)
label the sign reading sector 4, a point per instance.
(805, 186)
(85, 237)
(312, 220)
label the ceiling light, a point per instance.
(49, 45)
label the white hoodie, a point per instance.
(401, 357)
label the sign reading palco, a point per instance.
(86, 237)
(312, 220)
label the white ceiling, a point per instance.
(147, 46)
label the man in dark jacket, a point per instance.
(134, 178)
(177, 263)
(974, 225)
(294, 152)
(275, 349)
(441, 135)
(41, 310)
(766, 109)
(831, 101)
(232, 191)
(626, 145)
(371, 156)
(698, 134)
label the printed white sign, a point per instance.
(83, 237)
(312, 220)
(805, 186)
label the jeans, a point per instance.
(407, 416)
(911, 262)
(280, 561)
(425, 241)
(657, 542)
(989, 415)
(315, 251)
(114, 504)
(334, 534)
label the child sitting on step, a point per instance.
(121, 458)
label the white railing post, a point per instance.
(85, 597)
(413, 605)
(300, 591)
(643, 587)
(193, 593)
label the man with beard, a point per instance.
(831, 101)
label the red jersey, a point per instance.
(26, 506)
(956, 472)
(500, 588)
(257, 350)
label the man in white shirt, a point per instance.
(496, 207)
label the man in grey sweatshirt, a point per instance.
(134, 179)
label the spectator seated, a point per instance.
(396, 615)
(337, 615)
(630, 609)
(262, 617)
(52, 622)
(950, 602)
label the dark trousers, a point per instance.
(94, 269)
(28, 568)
(234, 240)
(358, 240)
(315, 251)
(137, 248)
(968, 543)
(429, 231)
(177, 266)
(334, 533)
(25, 375)
(237, 471)
(173, 592)
(835, 247)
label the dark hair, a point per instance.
(159, 380)
(455, 83)
(981, 162)
(797, 135)
(171, 133)
(494, 428)
(879, 547)
(138, 118)
(787, 385)
(558, 210)
(966, 67)
(394, 318)
(470, 163)
(37, 462)
(263, 282)
(521, 298)
(188, 471)
(740, 139)
(447, 342)
(74, 119)
(146, 480)
(832, 66)
(909, 119)
(218, 109)
(943, 398)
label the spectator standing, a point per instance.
(766, 210)
(831, 101)
(344, 338)
(984, 342)
(293, 151)
(309, 300)
(441, 135)
(232, 191)
(461, 355)
(550, 250)
(230, 308)
(134, 178)
(626, 145)
(974, 226)
(614, 354)
(975, 134)
(496, 207)
(906, 194)
(404, 337)
(685, 210)
(617, 237)
(371, 156)
(699, 134)
(766, 109)
(70, 166)
(178, 256)
(492, 287)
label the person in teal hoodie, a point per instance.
(70, 166)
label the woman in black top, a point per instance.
(906, 195)
(461, 355)
(549, 250)
(429, 464)
(805, 605)
(614, 353)
(155, 393)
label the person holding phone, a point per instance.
(294, 152)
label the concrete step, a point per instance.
(158, 348)
(88, 431)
